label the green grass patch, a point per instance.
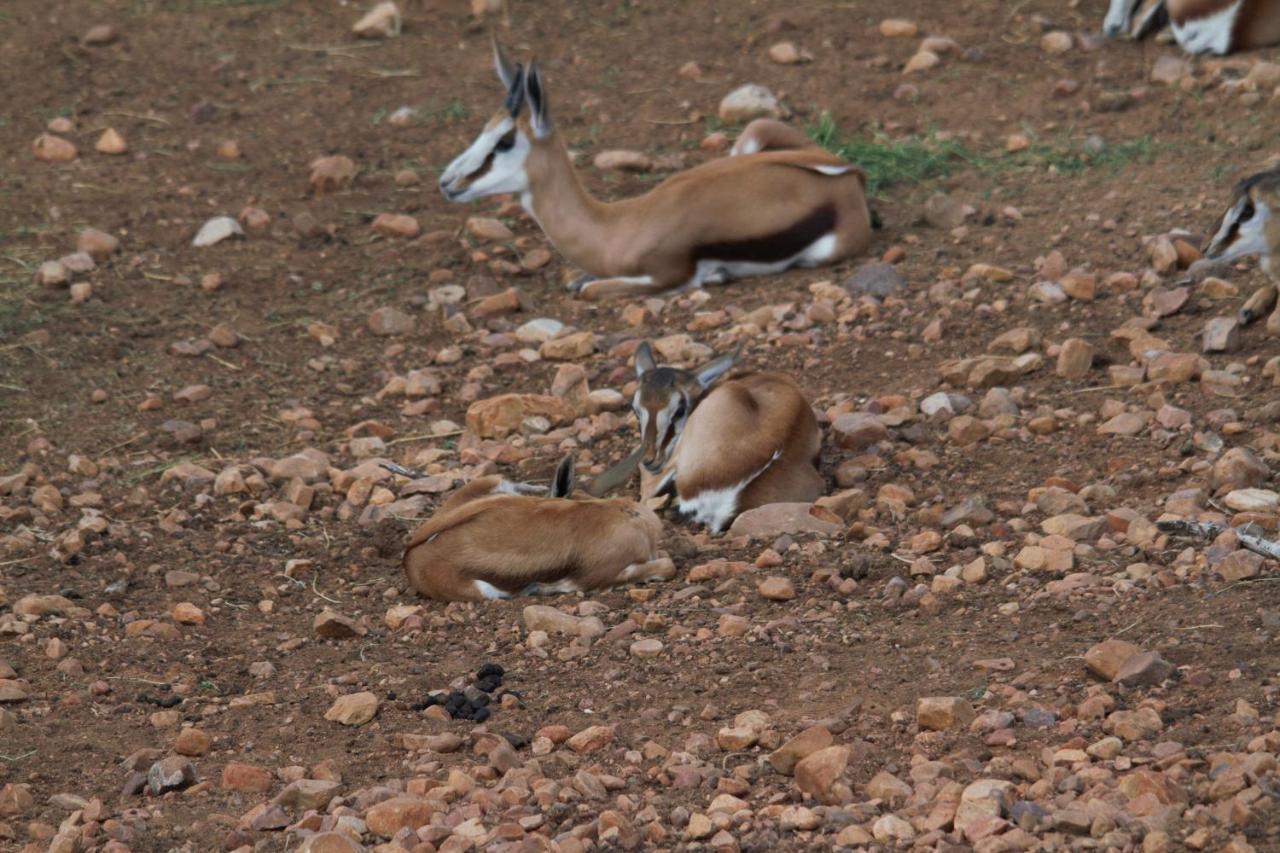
(1071, 158)
(892, 161)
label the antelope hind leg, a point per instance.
(580, 282)
(661, 569)
(602, 288)
(1259, 304)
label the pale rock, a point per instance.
(749, 102)
(943, 713)
(354, 709)
(53, 149)
(216, 230)
(923, 60)
(817, 773)
(898, 28)
(1253, 500)
(1056, 42)
(1075, 359)
(330, 174)
(1170, 70)
(623, 161)
(488, 228)
(111, 142)
(781, 519)
(1221, 334)
(382, 21)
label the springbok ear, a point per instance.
(562, 485)
(502, 64)
(644, 359)
(515, 95)
(539, 109)
(713, 370)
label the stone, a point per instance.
(1240, 565)
(785, 519)
(944, 212)
(381, 22)
(52, 274)
(965, 430)
(541, 617)
(498, 417)
(943, 713)
(885, 786)
(111, 143)
(818, 772)
(403, 812)
(395, 225)
(622, 161)
(1056, 42)
(984, 798)
(1170, 70)
(890, 827)
(922, 60)
(238, 776)
(335, 626)
(192, 742)
(303, 794)
(1145, 669)
(53, 149)
(329, 842)
(171, 774)
(1016, 341)
(591, 739)
(875, 279)
(809, 741)
(569, 347)
(858, 430)
(15, 800)
(330, 174)
(100, 35)
(388, 321)
(1252, 500)
(646, 648)
(1239, 468)
(776, 589)
(749, 102)
(1221, 334)
(487, 228)
(216, 230)
(1075, 359)
(1106, 659)
(354, 709)
(898, 28)
(1125, 423)
(786, 53)
(98, 245)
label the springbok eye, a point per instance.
(507, 142)
(1246, 212)
(679, 411)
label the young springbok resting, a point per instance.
(496, 539)
(1251, 226)
(750, 441)
(756, 214)
(1201, 26)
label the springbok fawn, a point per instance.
(1202, 26)
(750, 441)
(756, 214)
(495, 539)
(1251, 226)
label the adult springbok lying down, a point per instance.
(1251, 226)
(495, 539)
(729, 218)
(750, 441)
(1200, 26)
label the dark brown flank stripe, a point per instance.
(770, 248)
(1202, 9)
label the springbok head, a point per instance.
(495, 162)
(1251, 225)
(664, 398)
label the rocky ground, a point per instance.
(982, 638)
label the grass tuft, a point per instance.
(891, 161)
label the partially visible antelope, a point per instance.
(749, 441)
(757, 214)
(1251, 226)
(495, 539)
(1201, 26)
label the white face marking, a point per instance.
(1119, 14)
(1210, 34)
(505, 172)
(1250, 232)
(490, 591)
(671, 417)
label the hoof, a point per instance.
(579, 283)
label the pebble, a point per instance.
(646, 648)
(487, 228)
(623, 161)
(898, 28)
(395, 225)
(1075, 359)
(53, 149)
(776, 589)
(98, 245)
(381, 22)
(331, 174)
(786, 53)
(749, 102)
(111, 142)
(1056, 42)
(354, 709)
(1221, 334)
(216, 230)
(943, 713)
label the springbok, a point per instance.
(750, 441)
(756, 214)
(1201, 26)
(1251, 226)
(495, 539)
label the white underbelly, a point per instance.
(711, 271)
(1210, 34)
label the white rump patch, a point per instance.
(1210, 34)
(490, 591)
(716, 507)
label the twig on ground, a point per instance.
(1211, 530)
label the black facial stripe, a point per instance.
(484, 167)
